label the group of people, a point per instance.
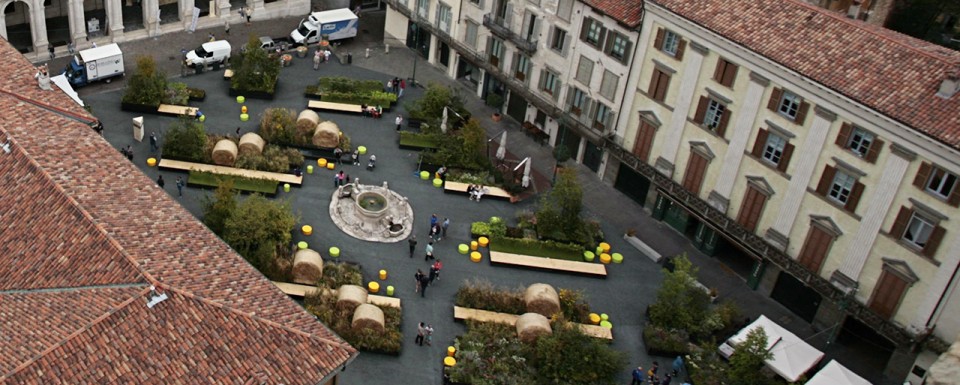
(321, 56)
(476, 191)
(371, 111)
(438, 229)
(127, 152)
(396, 85)
(423, 280)
(652, 377)
(424, 333)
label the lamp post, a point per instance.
(415, 29)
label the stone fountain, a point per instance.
(371, 213)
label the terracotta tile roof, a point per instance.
(79, 221)
(894, 74)
(627, 12)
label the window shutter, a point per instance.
(785, 158)
(535, 35)
(729, 74)
(954, 199)
(874, 151)
(626, 52)
(844, 137)
(680, 48)
(930, 249)
(658, 41)
(585, 28)
(569, 99)
(652, 90)
(854, 198)
(662, 87)
(566, 46)
(701, 110)
(543, 79)
(923, 175)
(724, 119)
(608, 45)
(900, 224)
(760, 143)
(718, 72)
(802, 113)
(603, 34)
(775, 99)
(556, 90)
(826, 180)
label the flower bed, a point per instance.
(351, 91)
(208, 179)
(536, 248)
(483, 295)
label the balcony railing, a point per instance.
(500, 27)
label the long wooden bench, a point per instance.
(342, 107)
(463, 313)
(187, 166)
(298, 290)
(586, 268)
(492, 192)
(177, 110)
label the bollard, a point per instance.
(386, 48)
(302, 245)
(310, 169)
(286, 187)
(390, 291)
(306, 229)
(383, 274)
(367, 54)
(243, 109)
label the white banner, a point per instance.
(193, 21)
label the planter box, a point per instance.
(263, 95)
(646, 250)
(197, 96)
(141, 108)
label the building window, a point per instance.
(584, 70)
(495, 51)
(444, 17)
(608, 86)
(696, 169)
(578, 101)
(644, 143)
(559, 41)
(471, 34)
(815, 248)
(671, 42)
(521, 67)
(618, 47)
(918, 230)
(861, 142)
(842, 187)
(725, 73)
(887, 294)
(658, 85)
(423, 8)
(602, 116)
(478, 3)
(565, 9)
(752, 208)
(789, 105)
(773, 149)
(712, 115)
(593, 32)
(550, 83)
(939, 182)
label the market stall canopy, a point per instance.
(836, 374)
(792, 357)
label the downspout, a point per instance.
(943, 296)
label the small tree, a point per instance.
(474, 138)
(559, 211)
(146, 85)
(185, 140)
(218, 208)
(748, 358)
(570, 357)
(680, 304)
(429, 108)
(258, 229)
(257, 71)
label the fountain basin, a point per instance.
(371, 204)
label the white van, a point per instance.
(209, 53)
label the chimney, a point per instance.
(950, 84)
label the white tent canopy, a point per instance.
(836, 374)
(792, 357)
(61, 81)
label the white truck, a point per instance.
(100, 63)
(335, 24)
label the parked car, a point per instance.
(209, 53)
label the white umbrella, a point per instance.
(525, 182)
(502, 150)
(443, 122)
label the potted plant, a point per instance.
(495, 101)
(302, 51)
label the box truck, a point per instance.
(100, 63)
(336, 24)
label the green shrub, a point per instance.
(491, 354)
(680, 304)
(146, 84)
(574, 306)
(351, 91)
(279, 125)
(414, 139)
(339, 274)
(494, 100)
(257, 71)
(220, 206)
(480, 229)
(483, 295)
(481, 177)
(663, 341)
(185, 140)
(429, 108)
(197, 93)
(260, 230)
(537, 248)
(176, 94)
(567, 356)
(209, 179)
(273, 159)
(704, 364)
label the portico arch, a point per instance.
(17, 26)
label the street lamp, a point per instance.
(416, 55)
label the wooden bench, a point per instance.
(177, 110)
(492, 192)
(463, 313)
(298, 290)
(342, 107)
(187, 166)
(227, 74)
(586, 268)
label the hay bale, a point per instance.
(307, 121)
(251, 143)
(368, 316)
(531, 326)
(351, 296)
(307, 267)
(542, 298)
(225, 152)
(326, 135)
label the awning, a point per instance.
(792, 357)
(836, 374)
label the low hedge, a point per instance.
(209, 179)
(536, 248)
(416, 140)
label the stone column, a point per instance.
(114, 19)
(151, 19)
(882, 197)
(223, 7)
(678, 120)
(745, 118)
(78, 26)
(779, 233)
(38, 26)
(3, 28)
(257, 6)
(186, 12)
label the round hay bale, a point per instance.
(369, 316)
(307, 267)
(531, 326)
(251, 143)
(326, 135)
(542, 298)
(307, 121)
(225, 152)
(351, 296)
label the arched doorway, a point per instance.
(16, 15)
(170, 11)
(57, 13)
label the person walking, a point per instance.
(398, 121)
(390, 86)
(248, 14)
(424, 282)
(429, 251)
(413, 244)
(316, 59)
(421, 330)
(396, 85)
(416, 278)
(437, 266)
(433, 221)
(444, 227)
(337, 154)
(637, 376)
(226, 27)
(429, 334)
(435, 233)
(153, 142)
(243, 14)
(326, 55)
(180, 186)
(160, 182)
(403, 85)
(433, 275)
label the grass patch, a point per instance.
(410, 139)
(532, 247)
(209, 179)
